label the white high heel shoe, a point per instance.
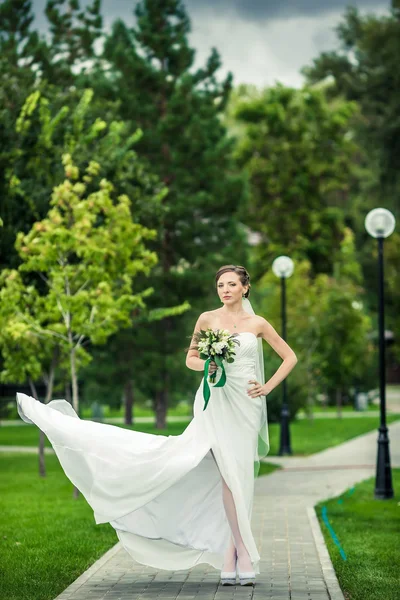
(229, 577)
(246, 577)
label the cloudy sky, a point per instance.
(260, 41)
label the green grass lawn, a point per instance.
(28, 435)
(368, 531)
(181, 410)
(47, 538)
(307, 436)
(332, 409)
(267, 468)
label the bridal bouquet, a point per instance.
(215, 345)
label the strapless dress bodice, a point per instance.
(245, 354)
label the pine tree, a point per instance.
(73, 33)
(15, 35)
(365, 69)
(18, 58)
(178, 108)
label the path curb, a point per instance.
(331, 581)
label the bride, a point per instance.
(177, 501)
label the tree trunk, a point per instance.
(41, 462)
(310, 378)
(339, 402)
(75, 398)
(161, 403)
(129, 399)
(309, 402)
(162, 398)
(49, 381)
(67, 391)
(327, 397)
(161, 409)
(74, 382)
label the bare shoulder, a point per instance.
(258, 319)
(256, 323)
(263, 326)
(204, 319)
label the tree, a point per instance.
(73, 31)
(45, 132)
(18, 47)
(25, 357)
(185, 142)
(364, 69)
(17, 41)
(344, 348)
(88, 251)
(49, 127)
(301, 164)
(327, 326)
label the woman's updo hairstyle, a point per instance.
(240, 271)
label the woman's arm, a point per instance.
(285, 352)
(193, 361)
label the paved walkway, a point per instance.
(294, 565)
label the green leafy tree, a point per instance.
(345, 348)
(73, 31)
(392, 282)
(124, 369)
(88, 251)
(18, 48)
(365, 69)
(17, 41)
(301, 163)
(45, 131)
(327, 326)
(25, 356)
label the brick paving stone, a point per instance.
(295, 563)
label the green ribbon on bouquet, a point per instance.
(221, 382)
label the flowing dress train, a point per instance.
(163, 494)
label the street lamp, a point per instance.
(380, 223)
(283, 267)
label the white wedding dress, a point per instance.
(163, 494)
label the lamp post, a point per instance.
(283, 267)
(380, 223)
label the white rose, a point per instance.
(219, 346)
